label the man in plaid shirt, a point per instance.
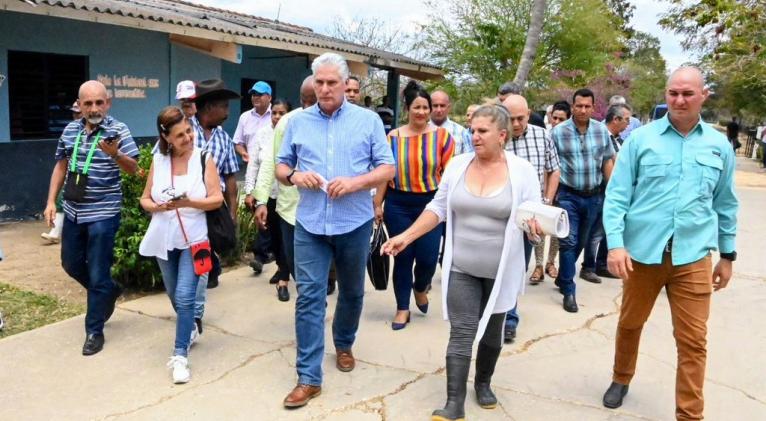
(535, 145)
(586, 160)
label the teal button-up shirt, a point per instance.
(665, 184)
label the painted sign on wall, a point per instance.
(127, 86)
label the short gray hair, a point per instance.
(617, 100)
(615, 110)
(331, 59)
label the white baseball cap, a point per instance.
(185, 90)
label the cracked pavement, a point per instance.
(244, 363)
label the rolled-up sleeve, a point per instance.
(287, 154)
(619, 193)
(725, 204)
(380, 148)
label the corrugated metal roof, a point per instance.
(229, 22)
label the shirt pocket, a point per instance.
(710, 167)
(655, 165)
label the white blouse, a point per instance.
(164, 232)
(509, 282)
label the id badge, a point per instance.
(74, 186)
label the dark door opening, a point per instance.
(42, 88)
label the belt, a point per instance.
(583, 193)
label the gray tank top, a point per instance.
(478, 229)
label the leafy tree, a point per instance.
(479, 43)
(729, 37)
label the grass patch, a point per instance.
(24, 310)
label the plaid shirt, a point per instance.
(460, 134)
(536, 146)
(220, 146)
(103, 193)
(582, 155)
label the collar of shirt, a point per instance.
(267, 113)
(523, 135)
(105, 124)
(317, 109)
(665, 124)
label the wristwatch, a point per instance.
(257, 203)
(729, 256)
(292, 173)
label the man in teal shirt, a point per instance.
(669, 203)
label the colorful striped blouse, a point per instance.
(420, 160)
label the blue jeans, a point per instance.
(87, 252)
(595, 248)
(402, 209)
(181, 285)
(512, 318)
(582, 212)
(200, 297)
(313, 255)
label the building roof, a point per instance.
(189, 19)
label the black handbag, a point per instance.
(220, 227)
(74, 186)
(377, 265)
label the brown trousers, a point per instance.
(688, 288)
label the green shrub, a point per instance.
(247, 229)
(131, 269)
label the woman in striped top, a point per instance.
(421, 152)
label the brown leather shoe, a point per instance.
(344, 360)
(301, 395)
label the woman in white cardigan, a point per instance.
(483, 269)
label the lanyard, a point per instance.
(86, 166)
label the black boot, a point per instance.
(457, 377)
(486, 359)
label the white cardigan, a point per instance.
(509, 282)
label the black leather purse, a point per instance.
(377, 265)
(220, 227)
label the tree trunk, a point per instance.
(537, 15)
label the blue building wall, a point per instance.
(114, 52)
(286, 70)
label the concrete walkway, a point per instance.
(243, 365)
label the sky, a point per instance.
(404, 12)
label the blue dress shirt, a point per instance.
(665, 184)
(347, 143)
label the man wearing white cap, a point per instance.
(185, 93)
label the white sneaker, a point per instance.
(194, 336)
(180, 366)
(50, 238)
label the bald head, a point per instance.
(685, 93)
(519, 110)
(94, 102)
(92, 87)
(689, 74)
(308, 95)
(440, 107)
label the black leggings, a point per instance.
(466, 298)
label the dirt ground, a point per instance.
(34, 265)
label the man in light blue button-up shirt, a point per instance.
(327, 153)
(669, 203)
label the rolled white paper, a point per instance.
(553, 221)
